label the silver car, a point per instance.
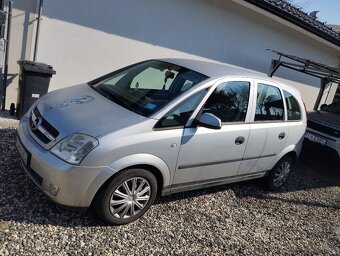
(159, 127)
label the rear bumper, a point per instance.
(65, 184)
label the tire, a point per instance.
(126, 197)
(279, 174)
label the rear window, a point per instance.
(293, 108)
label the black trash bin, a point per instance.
(34, 79)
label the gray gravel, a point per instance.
(7, 121)
(242, 218)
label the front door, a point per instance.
(207, 155)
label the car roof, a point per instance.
(219, 70)
(215, 69)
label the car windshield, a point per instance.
(333, 108)
(146, 87)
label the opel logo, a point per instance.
(36, 123)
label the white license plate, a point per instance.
(22, 151)
(315, 138)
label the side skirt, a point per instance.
(177, 188)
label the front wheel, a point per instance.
(279, 174)
(126, 197)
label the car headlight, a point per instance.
(74, 148)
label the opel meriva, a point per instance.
(159, 127)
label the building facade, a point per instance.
(83, 39)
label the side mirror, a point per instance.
(323, 106)
(209, 120)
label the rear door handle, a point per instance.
(282, 135)
(239, 140)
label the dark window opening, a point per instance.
(179, 115)
(229, 101)
(269, 104)
(293, 108)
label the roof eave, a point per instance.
(296, 21)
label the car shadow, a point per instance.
(21, 201)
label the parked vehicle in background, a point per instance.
(323, 130)
(160, 127)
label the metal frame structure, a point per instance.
(326, 73)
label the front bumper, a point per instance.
(331, 147)
(63, 183)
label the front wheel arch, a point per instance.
(155, 171)
(101, 202)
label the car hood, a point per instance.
(80, 109)
(325, 118)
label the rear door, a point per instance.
(268, 130)
(207, 154)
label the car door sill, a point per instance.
(177, 188)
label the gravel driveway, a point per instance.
(242, 218)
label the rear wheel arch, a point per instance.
(277, 176)
(293, 155)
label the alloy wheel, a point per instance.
(281, 174)
(130, 197)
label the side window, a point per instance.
(269, 104)
(178, 116)
(229, 101)
(154, 79)
(293, 108)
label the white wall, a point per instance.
(83, 39)
(23, 19)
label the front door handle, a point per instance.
(239, 140)
(282, 135)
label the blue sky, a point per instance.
(329, 10)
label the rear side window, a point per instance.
(269, 104)
(229, 101)
(293, 108)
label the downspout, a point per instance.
(9, 25)
(41, 2)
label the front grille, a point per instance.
(324, 129)
(45, 125)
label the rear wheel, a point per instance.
(279, 174)
(127, 196)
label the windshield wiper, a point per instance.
(115, 98)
